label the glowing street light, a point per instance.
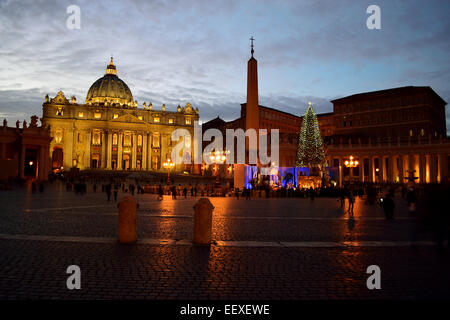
(168, 164)
(351, 163)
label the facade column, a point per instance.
(392, 169)
(150, 151)
(370, 173)
(432, 169)
(341, 172)
(109, 151)
(421, 172)
(133, 152)
(119, 151)
(410, 165)
(440, 168)
(380, 169)
(144, 152)
(361, 169)
(104, 144)
(87, 150)
(400, 169)
(68, 143)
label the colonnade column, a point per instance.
(392, 169)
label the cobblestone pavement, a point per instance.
(236, 269)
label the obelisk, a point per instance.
(252, 106)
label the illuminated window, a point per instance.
(156, 119)
(155, 141)
(139, 140)
(410, 133)
(59, 112)
(422, 132)
(80, 114)
(114, 139)
(96, 138)
(115, 116)
(140, 117)
(171, 120)
(188, 120)
(97, 115)
(127, 140)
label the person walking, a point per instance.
(351, 202)
(185, 192)
(388, 206)
(195, 191)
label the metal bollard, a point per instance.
(203, 221)
(127, 231)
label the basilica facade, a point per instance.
(110, 131)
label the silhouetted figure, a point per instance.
(388, 206)
(94, 187)
(174, 192)
(132, 187)
(342, 194)
(108, 191)
(185, 192)
(195, 191)
(247, 194)
(116, 190)
(160, 192)
(236, 192)
(311, 194)
(351, 202)
(411, 199)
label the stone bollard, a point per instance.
(127, 231)
(203, 221)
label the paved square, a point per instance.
(277, 248)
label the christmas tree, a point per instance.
(310, 147)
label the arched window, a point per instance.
(114, 139)
(127, 140)
(139, 140)
(96, 138)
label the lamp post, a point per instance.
(351, 164)
(168, 164)
(218, 157)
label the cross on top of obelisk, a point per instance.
(252, 39)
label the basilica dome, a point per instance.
(109, 89)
